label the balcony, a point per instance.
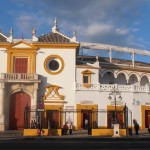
(19, 77)
(108, 87)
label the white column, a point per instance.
(34, 102)
(2, 93)
(132, 56)
(110, 55)
(1, 98)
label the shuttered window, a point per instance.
(21, 65)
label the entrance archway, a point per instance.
(18, 101)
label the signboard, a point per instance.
(117, 103)
(40, 109)
(70, 114)
(40, 105)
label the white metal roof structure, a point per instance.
(99, 46)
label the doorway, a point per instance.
(52, 119)
(147, 118)
(86, 119)
(18, 102)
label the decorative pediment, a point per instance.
(52, 93)
(87, 72)
(22, 45)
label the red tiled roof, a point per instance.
(54, 38)
(2, 38)
(91, 59)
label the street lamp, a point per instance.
(115, 92)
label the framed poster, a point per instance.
(69, 114)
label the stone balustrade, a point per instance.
(19, 76)
(108, 87)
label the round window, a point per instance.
(54, 64)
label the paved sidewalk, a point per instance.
(76, 134)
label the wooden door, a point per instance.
(111, 118)
(53, 118)
(147, 118)
(120, 119)
(18, 101)
(21, 65)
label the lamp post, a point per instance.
(115, 92)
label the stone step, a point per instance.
(12, 132)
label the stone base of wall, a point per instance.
(107, 132)
(51, 132)
(2, 126)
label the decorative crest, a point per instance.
(55, 28)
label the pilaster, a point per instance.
(34, 102)
(2, 93)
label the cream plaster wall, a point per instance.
(3, 60)
(65, 79)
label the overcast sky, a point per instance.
(117, 22)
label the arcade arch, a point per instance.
(144, 80)
(133, 79)
(121, 79)
(108, 77)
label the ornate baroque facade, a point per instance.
(49, 69)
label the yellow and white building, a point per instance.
(73, 87)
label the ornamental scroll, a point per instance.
(52, 92)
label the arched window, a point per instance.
(121, 79)
(144, 81)
(108, 78)
(133, 79)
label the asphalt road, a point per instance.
(88, 143)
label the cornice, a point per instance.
(54, 45)
(127, 68)
(4, 45)
(86, 66)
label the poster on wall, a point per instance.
(69, 114)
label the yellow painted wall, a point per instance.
(51, 132)
(110, 107)
(33, 132)
(107, 132)
(143, 108)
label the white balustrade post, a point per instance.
(147, 88)
(133, 88)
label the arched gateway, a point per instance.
(18, 101)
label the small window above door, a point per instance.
(20, 65)
(87, 78)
